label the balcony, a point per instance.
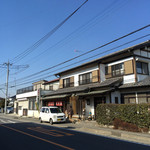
(69, 84)
(25, 90)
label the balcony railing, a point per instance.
(25, 90)
(116, 73)
(86, 81)
(69, 84)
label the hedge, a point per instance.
(136, 114)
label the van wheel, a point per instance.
(41, 120)
(51, 121)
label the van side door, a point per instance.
(47, 113)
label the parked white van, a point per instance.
(51, 114)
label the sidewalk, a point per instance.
(93, 128)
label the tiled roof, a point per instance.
(108, 82)
(86, 87)
(55, 80)
(146, 43)
(145, 82)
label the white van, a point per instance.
(51, 114)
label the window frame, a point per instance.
(65, 84)
(86, 80)
(117, 69)
(32, 104)
(142, 68)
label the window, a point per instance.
(106, 70)
(141, 67)
(85, 78)
(66, 82)
(118, 69)
(20, 107)
(46, 110)
(42, 110)
(55, 110)
(51, 87)
(32, 105)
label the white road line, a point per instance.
(11, 121)
(3, 121)
(6, 121)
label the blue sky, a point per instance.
(24, 22)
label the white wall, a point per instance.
(33, 113)
(28, 94)
(128, 78)
(90, 108)
(24, 105)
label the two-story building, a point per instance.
(119, 77)
(28, 99)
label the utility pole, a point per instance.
(6, 97)
(7, 65)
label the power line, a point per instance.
(83, 60)
(108, 43)
(39, 42)
(102, 13)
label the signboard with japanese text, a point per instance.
(50, 103)
(59, 103)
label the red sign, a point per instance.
(50, 103)
(59, 103)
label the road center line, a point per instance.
(37, 137)
(45, 132)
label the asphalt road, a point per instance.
(18, 135)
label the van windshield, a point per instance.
(55, 110)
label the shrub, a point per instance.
(119, 124)
(124, 116)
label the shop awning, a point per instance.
(93, 92)
(56, 96)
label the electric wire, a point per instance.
(31, 80)
(43, 39)
(85, 53)
(109, 9)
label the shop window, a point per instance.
(142, 68)
(85, 78)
